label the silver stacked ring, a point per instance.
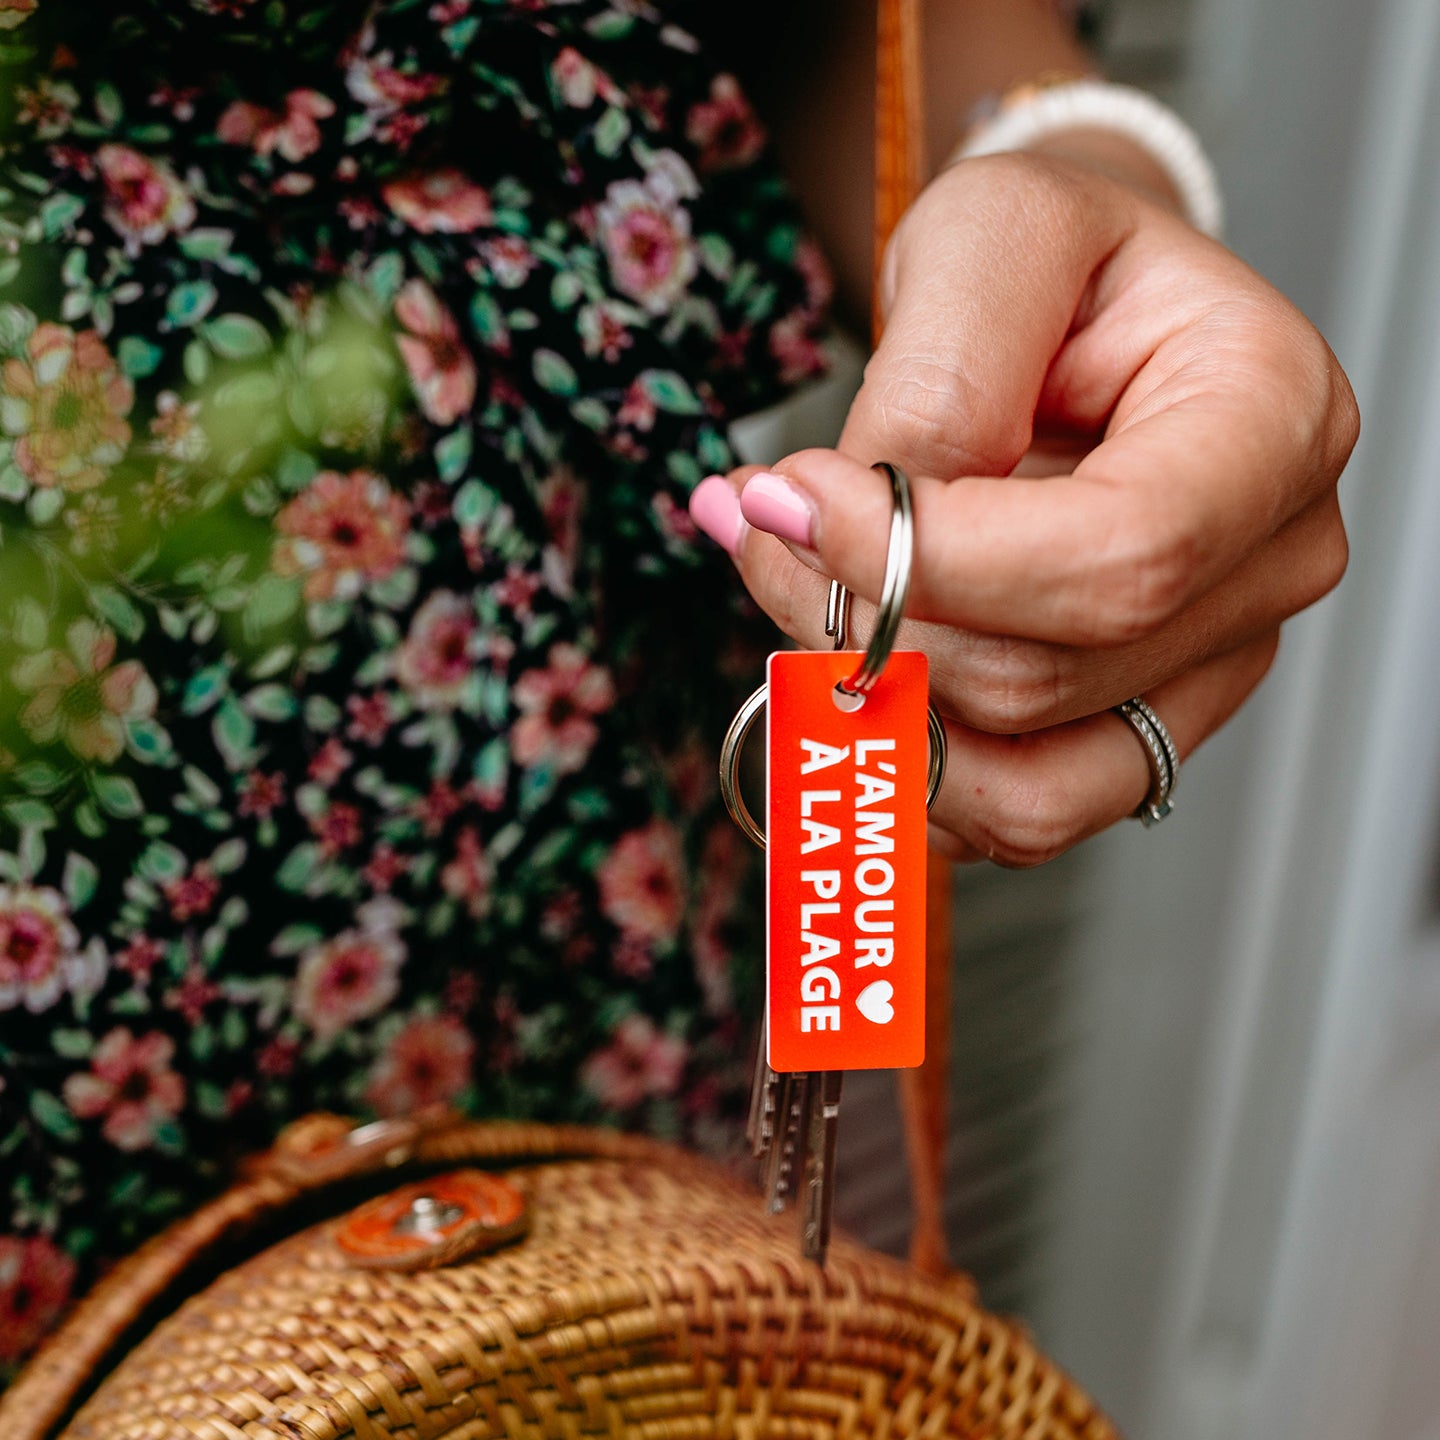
(1164, 759)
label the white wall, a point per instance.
(1247, 1230)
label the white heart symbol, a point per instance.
(874, 1002)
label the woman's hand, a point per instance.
(1123, 446)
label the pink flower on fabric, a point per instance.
(369, 717)
(674, 519)
(517, 590)
(13, 13)
(339, 827)
(579, 80)
(140, 956)
(712, 944)
(352, 976)
(603, 330)
(329, 762)
(292, 133)
(49, 106)
(192, 894)
(36, 1278)
(437, 807)
(638, 409)
(342, 532)
(467, 877)
(382, 89)
(819, 279)
(176, 427)
(639, 1062)
(384, 868)
(144, 201)
(428, 1063)
(557, 709)
(65, 404)
(261, 794)
(560, 498)
(509, 259)
(193, 995)
(130, 1083)
(440, 651)
(38, 946)
(642, 882)
(724, 129)
(441, 369)
(794, 345)
(78, 696)
(441, 201)
(645, 232)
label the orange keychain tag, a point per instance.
(845, 864)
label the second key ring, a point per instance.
(894, 591)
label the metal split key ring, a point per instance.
(894, 590)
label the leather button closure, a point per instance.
(318, 1149)
(435, 1222)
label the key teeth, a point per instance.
(796, 1118)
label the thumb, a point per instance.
(987, 271)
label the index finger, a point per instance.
(1158, 513)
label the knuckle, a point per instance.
(1327, 560)
(1009, 686)
(1030, 189)
(1344, 412)
(943, 417)
(1028, 824)
(1334, 558)
(1331, 416)
(1141, 581)
(1302, 377)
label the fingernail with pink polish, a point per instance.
(775, 505)
(715, 508)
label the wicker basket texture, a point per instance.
(651, 1298)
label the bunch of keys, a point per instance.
(855, 757)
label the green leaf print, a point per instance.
(52, 1116)
(190, 303)
(118, 796)
(554, 373)
(234, 733)
(237, 337)
(79, 880)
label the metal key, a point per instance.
(817, 1190)
(785, 1156)
(794, 1118)
(799, 1153)
(812, 1169)
(785, 1110)
(764, 1090)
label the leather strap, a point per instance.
(899, 174)
(899, 124)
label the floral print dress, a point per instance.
(360, 673)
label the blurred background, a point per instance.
(1196, 1105)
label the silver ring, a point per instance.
(1162, 754)
(739, 732)
(894, 589)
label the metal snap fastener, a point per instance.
(435, 1222)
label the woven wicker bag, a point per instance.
(643, 1292)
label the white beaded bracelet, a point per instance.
(1035, 113)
